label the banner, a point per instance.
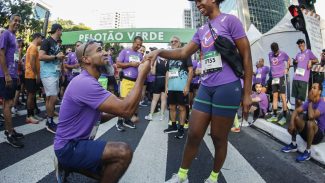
(161, 35)
(312, 21)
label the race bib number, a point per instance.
(94, 131)
(58, 67)
(16, 57)
(76, 71)
(300, 71)
(259, 76)
(211, 62)
(275, 81)
(134, 58)
(173, 74)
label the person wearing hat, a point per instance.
(50, 57)
(32, 75)
(9, 77)
(304, 59)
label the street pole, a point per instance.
(46, 22)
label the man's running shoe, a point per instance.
(282, 121)
(171, 129)
(303, 157)
(15, 134)
(272, 119)
(149, 117)
(290, 148)
(13, 141)
(235, 130)
(51, 126)
(129, 123)
(31, 120)
(180, 134)
(119, 126)
(176, 179)
(143, 103)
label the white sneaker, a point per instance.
(149, 117)
(175, 179)
(14, 110)
(210, 181)
(162, 117)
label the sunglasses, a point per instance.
(174, 41)
(89, 41)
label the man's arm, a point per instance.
(189, 80)
(3, 62)
(312, 113)
(123, 65)
(104, 117)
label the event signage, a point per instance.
(161, 35)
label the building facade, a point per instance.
(111, 20)
(264, 14)
(187, 19)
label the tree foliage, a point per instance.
(68, 25)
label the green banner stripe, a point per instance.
(225, 107)
(149, 35)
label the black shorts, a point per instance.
(317, 138)
(299, 90)
(159, 85)
(281, 87)
(194, 86)
(8, 93)
(30, 85)
(111, 81)
(150, 86)
(177, 98)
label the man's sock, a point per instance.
(182, 173)
(214, 176)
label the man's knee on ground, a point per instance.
(115, 151)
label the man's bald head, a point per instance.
(79, 52)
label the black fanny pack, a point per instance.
(228, 52)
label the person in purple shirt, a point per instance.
(84, 106)
(71, 64)
(279, 69)
(260, 102)
(220, 90)
(304, 61)
(261, 72)
(8, 78)
(129, 60)
(311, 126)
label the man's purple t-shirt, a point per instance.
(196, 78)
(320, 105)
(278, 64)
(79, 109)
(302, 72)
(129, 55)
(261, 74)
(9, 44)
(264, 103)
(71, 60)
(225, 25)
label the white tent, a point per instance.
(283, 33)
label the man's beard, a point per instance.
(105, 69)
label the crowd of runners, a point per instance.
(195, 82)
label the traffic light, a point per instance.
(297, 21)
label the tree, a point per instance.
(28, 25)
(68, 25)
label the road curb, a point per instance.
(280, 133)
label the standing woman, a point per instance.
(220, 92)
